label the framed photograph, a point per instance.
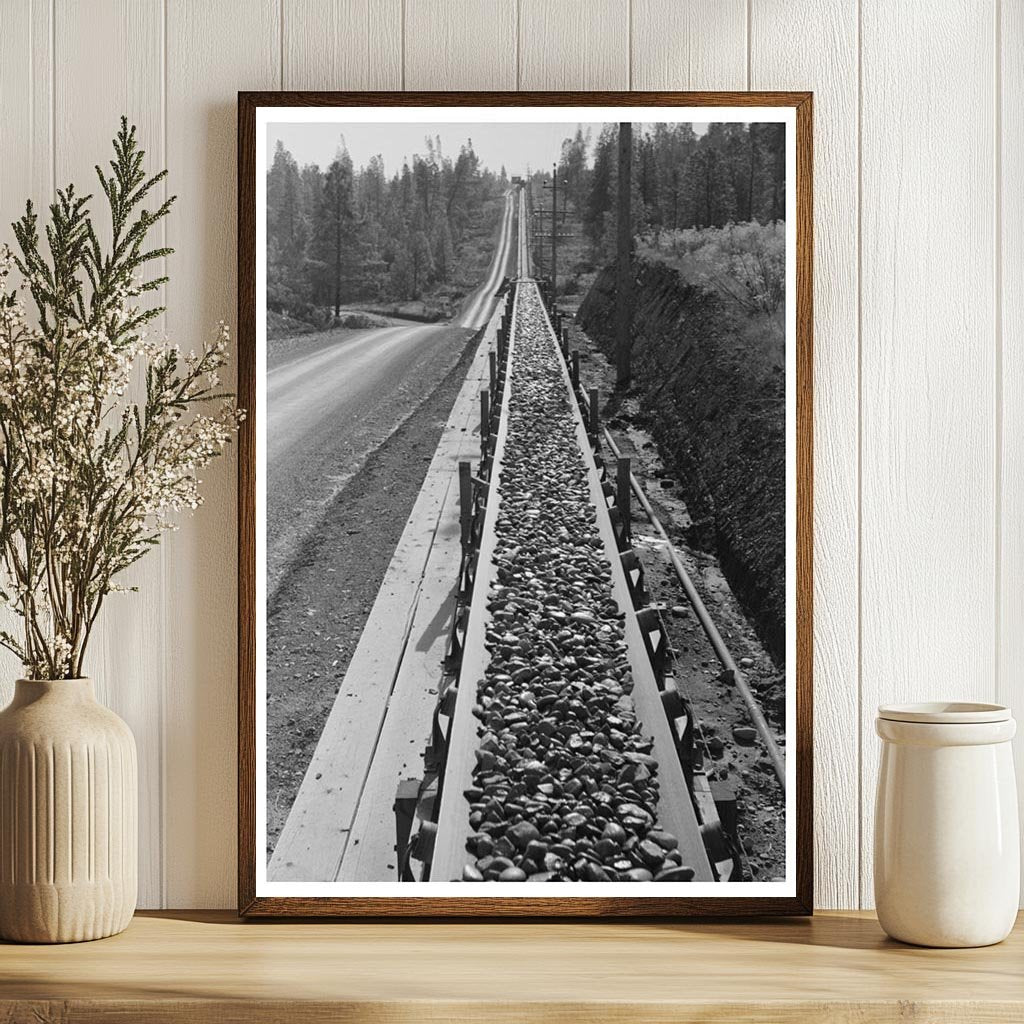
(525, 504)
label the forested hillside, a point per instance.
(373, 235)
(712, 206)
(732, 173)
(344, 235)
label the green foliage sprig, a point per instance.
(90, 476)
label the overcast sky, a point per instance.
(514, 145)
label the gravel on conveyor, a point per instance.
(564, 787)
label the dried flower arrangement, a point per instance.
(90, 476)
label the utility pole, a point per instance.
(554, 234)
(624, 264)
(553, 214)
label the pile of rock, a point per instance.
(565, 787)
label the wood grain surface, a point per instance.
(203, 967)
(478, 35)
(831, 69)
(1010, 361)
(342, 44)
(227, 46)
(701, 44)
(573, 44)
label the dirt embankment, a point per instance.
(712, 391)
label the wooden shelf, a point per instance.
(199, 967)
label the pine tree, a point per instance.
(601, 200)
(572, 167)
(674, 145)
(334, 238)
(770, 204)
(287, 281)
(741, 157)
(711, 198)
(422, 261)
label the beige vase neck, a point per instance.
(71, 690)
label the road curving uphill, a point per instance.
(477, 309)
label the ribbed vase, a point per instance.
(68, 815)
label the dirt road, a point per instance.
(342, 395)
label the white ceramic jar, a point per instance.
(947, 847)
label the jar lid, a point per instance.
(945, 713)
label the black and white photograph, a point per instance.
(525, 501)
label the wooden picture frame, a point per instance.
(799, 746)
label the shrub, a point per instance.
(746, 263)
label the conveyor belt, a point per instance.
(649, 743)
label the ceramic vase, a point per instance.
(68, 815)
(947, 847)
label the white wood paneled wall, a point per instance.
(919, 324)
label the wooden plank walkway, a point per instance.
(380, 720)
(406, 729)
